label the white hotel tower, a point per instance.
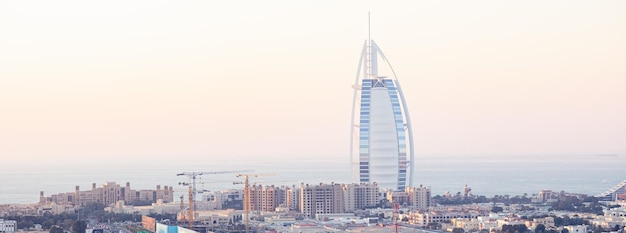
(381, 147)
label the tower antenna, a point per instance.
(369, 29)
(370, 63)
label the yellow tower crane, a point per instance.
(246, 193)
(191, 204)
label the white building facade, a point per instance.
(381, 140)
(8, 225)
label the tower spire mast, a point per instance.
(369, 63)
(369, 30)
(368, 57)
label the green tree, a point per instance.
(558, 221)
(66, 223)
(598, 229)
(540, 228)
(458, 230)
(507, 228)
(521, 228)
(56, 229)
(514, 228)
(497, 209)
(617, 228)
(433, 225)
(25, 224)
(79, 226)
(47, 224)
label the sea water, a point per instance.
(485, 175)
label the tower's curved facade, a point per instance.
(381, 138)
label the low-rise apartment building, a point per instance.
(320, 199)
(108, 194)
(423, 218)
(7, 226)
(417, 197)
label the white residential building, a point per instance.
(576, 229)
(8, 226)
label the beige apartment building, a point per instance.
(360, 196)
(320, 199)
(292, 197)
(266, 198)
(417, 197)
(423, 218)
(108, 194)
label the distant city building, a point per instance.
(510, 221)
(576, 229)
(418, 197)
(53, 208)
(230, 194)
(468, 225)
(618, 192)
(320, 199)
(210, 201)
(611, 218)
(266, 198)
(109, 194)
(291, 197)
(399, 197)
(491, 222)
(156, 208)
(212, 217)
(547, 195)
(547, 222)
(8, 225)
(360, 196)
(381, 139)
(424, 218)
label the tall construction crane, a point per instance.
(396, 217)
(192, 188)
(191, 204)
(193, 175)
(246, 193)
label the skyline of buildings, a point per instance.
(307, 199)
(357, 205)
(381, 145)
(108, 194)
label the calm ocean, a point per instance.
(588, 174)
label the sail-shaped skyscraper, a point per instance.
(381, 139)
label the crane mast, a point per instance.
(246, 197)
(193, 175)
(192, 188)
(191, 213)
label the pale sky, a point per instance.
(219, 80)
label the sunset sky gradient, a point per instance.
(84, 81)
